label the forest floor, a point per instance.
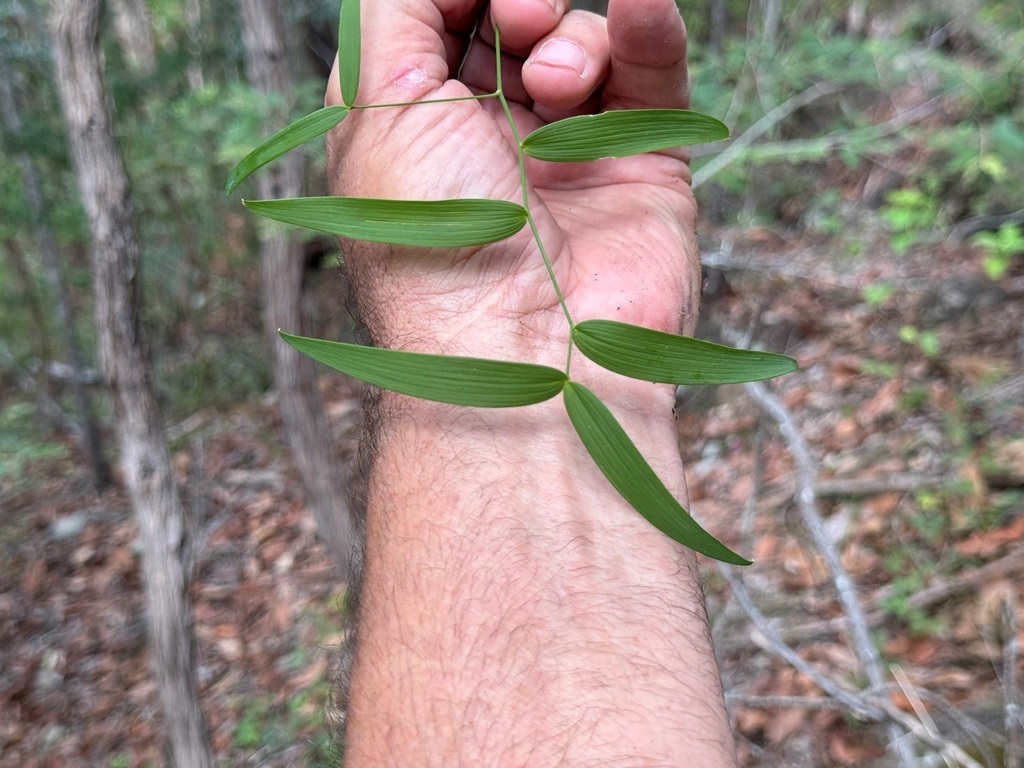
(916, 443)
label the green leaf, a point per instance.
(457, 380)
(627, 470)
(295, 135)
(621, 133)
(430, 223)
(642, 353)
(349, 50)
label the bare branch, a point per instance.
(852, 701)
(781, 702)
(818, 145)
(1013, 715)
(806, 499)
(762, 126)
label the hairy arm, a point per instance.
(516, 612)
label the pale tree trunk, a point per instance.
(145, 459)
(135, 34)
(771, 16)
(194, 26)
(281, 263)
(856, 17)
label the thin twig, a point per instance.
(750, 510)
(806, 499)
(1013, 716)
(781, 702)
(762, 126)
(915, 701)
(914, 727)
(849, 699)
(818, 145)
(982, 737)
(1011, 565)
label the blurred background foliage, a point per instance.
(928, 94)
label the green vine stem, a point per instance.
(526, 194)
(630, 350)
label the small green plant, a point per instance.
(265, 724)
(908, 579)
(878, 368)
(21, 441)
(930, 521)
(877, 294)
(910, 214)
(249, 731)
(999, 249)
(629, 350)
(925, 340)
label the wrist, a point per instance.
(521, 470)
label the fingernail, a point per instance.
(562, 53)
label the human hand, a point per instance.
(620, 232)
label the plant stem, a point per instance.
(526, 195)
(478, 97)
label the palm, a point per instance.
(619, 232)
(614, 229)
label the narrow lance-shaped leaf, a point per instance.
(627, 470)
(349, 51)
(456, 380)
(649, 355)
(295, 135)
(621, 133)
(425, 223)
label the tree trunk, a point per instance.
(194, 26)
(135, 33)
(282, 263)
(144, 455)
(98, 471)
(771, 16)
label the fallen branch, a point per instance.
(858, 487)
(1009, 566)
(806, 500)
(851, 700)
(817, 146)
(781, 702)
(725, 259)
(1013, 714)
(976, 224)
(871, 705)
(761, 127)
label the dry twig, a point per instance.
(1013, 715)
(806, 499)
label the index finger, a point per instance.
(647, 46)
(409, 48)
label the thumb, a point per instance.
(647, 41)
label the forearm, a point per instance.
(516, 611)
